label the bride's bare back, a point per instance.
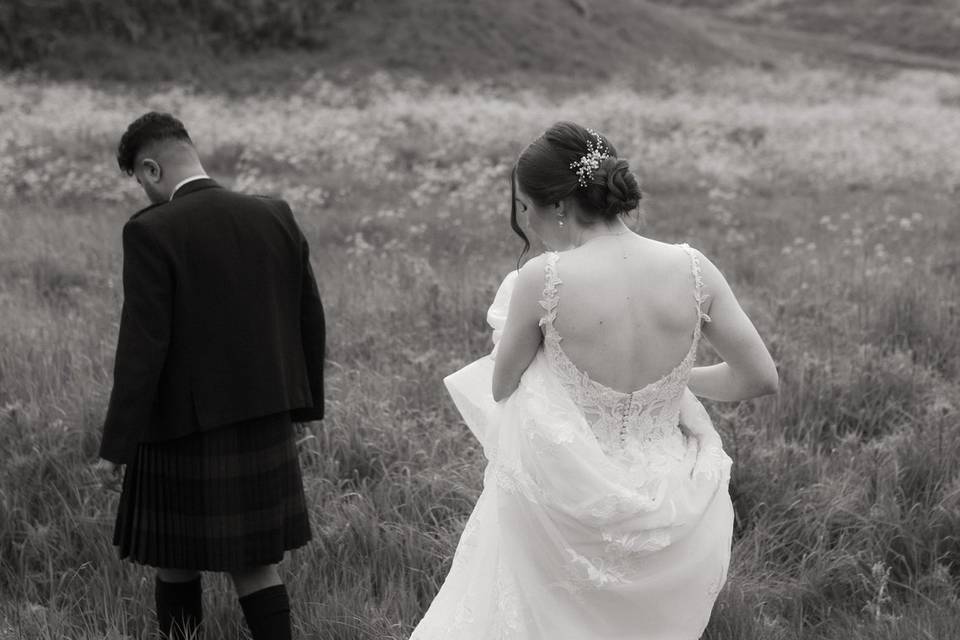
(627, 309)
(626, 315)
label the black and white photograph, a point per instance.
(480, 320)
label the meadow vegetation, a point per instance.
(828, 199)
(923, 27)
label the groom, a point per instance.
(220, 350)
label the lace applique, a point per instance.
(550, 300)
(463, 615)
(641, 426)
(627, 547)
(712, 461)
(622, 558)
(508, 621)
(698, 296)
(613, 506)
(516, 482)
(590, 573)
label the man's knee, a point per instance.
(253, 579)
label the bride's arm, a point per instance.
(521, 336)
(747, 369)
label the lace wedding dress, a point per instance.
(601, 517)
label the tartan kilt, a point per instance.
(219, 500)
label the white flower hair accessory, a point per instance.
(596, 153)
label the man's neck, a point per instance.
(199, 175)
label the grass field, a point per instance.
(829, 200)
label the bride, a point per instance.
(605, 512)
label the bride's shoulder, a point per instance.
(529, 282)
(692, 252)
(535, 267)
(712, 280)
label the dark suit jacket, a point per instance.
(221, 319)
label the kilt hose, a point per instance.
(219, 500)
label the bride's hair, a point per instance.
(547, 171)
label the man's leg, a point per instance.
(264, 601)
(179, 600)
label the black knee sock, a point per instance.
(268, 613)
(179, 608)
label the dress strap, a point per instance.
(698, 296)
(551, 297)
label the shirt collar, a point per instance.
(199, 176)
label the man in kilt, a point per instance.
(220, 352)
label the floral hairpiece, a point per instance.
(596, 153)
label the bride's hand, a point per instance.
(695, 419)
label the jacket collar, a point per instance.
(194, 186)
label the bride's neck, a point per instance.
(582, 235)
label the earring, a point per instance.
(560, 221)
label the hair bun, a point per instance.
(622, 188)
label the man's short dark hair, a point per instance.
(148, 128)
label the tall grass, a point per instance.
(827, 200)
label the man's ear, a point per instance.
(152, 170)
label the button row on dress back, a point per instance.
(624, 418)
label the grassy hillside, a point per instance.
(929, 27)
(142, 40)
(829, 201)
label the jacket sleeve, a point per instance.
(142, 343)
(313, 335)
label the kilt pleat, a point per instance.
(218, 500)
